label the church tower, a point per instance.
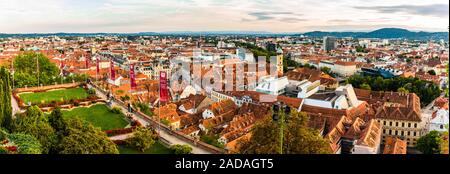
(280, 61)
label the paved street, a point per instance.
(162, 133)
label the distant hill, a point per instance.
(384, 33)
(335, 34)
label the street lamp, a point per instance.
(283, 110)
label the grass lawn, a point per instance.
(57, 95)
(99, 116)
(157, 148)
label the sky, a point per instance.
(86, 16)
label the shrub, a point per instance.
(116, 110)
(165, 122)
(181, 149)
(3, 150)
(115, 132)
(91, 91)
(142, 140)
(2, 135)
(76, 103)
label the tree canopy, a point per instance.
(5, 98)
(181, 149)
(298, 137)
(426, 90)
(27, 72)
(430, 143)
(33, 122)
(83, 138)
(27, 144)
(142, 139)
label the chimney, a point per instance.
(407, 100)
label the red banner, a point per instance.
(98, 65)
(132, 77)
(61, 65)
(113, 72)
(163, 90)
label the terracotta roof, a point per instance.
(392, 105)
(219, 120)
(345, 63)
(223, 107)
(168, 112)
(394, 146)
(190, 129)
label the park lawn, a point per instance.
(56, 95)
(99, 116)
(157, 148)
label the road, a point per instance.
(166, 136)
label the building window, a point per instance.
(414, 133)
(442, 126)
(409, 124)
(390, 132)
(396, 132)
(384, 123)
(384, 132)
(415, 125)
(402, 133)
(390, 123)
(396, 124)
(409, 133)
(403, 124)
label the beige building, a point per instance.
(344, 69)
(398, 113)
(406, 130)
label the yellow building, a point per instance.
(399, 114)
(406, 130)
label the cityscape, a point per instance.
(239, 81)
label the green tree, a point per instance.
(142, 139)
(83, 138)
(326, 70)
(27, 72)
(430, 143)
(27, 144)
(181, 149)
(432, 72)
(5, 99)
(402, 90)
(57, 121)
(365, 86)
(298, 137)
(34, 123)
(426, 90)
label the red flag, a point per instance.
(132, 77)
(113, 72)
(98, 65)
(163, 90)
(87, 63)
(61, 66)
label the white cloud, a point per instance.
(202, 15)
